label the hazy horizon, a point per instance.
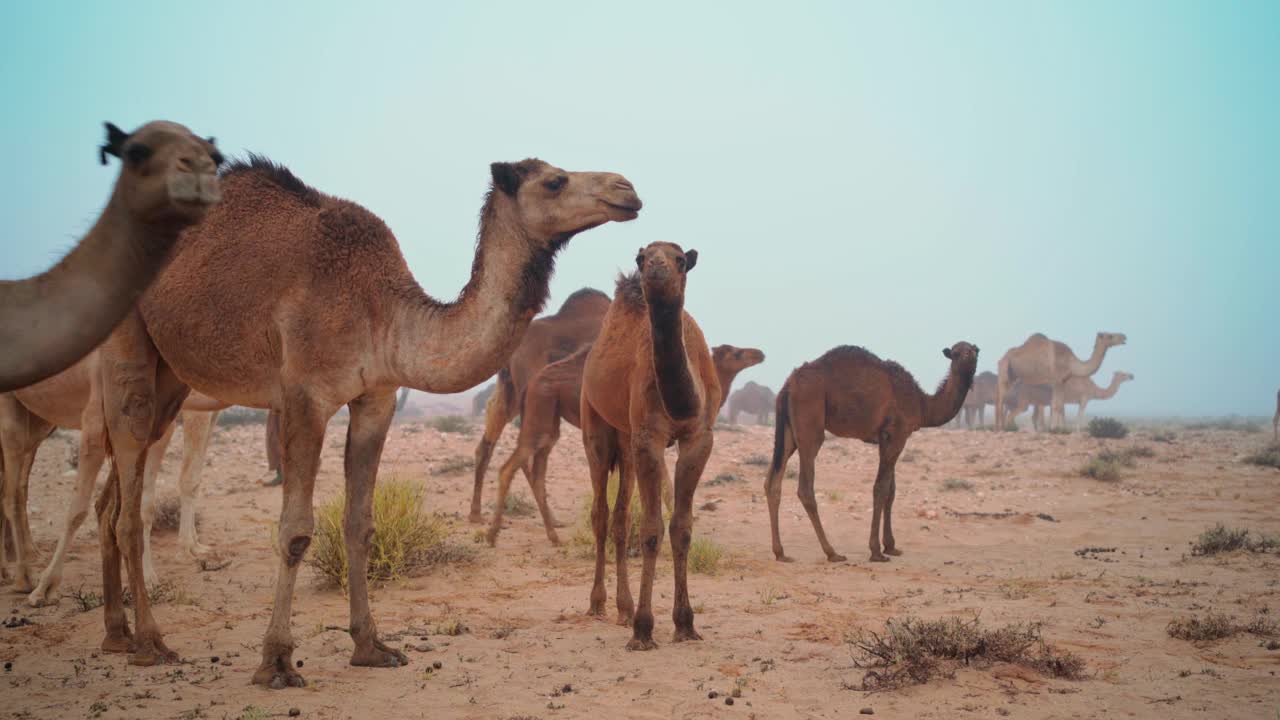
(895, 177)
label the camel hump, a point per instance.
(277, 174)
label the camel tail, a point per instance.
(782, 418)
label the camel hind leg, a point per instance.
(197, 429)
(600, 441)
(784, 448)
(808, 423)
(498, 412)
(21, 433)
(892, 440)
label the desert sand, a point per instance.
(775, 631)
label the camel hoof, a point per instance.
(836, 557)
(555, 539)
(118, 643)
(685, 634)
(278, 680)
(378, 655)
(43, 596)
(642, 644)
(879, 557)
(274, 480)
(475, 518)
(151, 651)
(893, 551)
(626, 616)
(783, 558)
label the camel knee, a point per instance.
(294, 548)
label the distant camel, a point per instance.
(1079, 391)
(548, 339)
(982, 394)
(852, 393)
(751, 398)
(649, 383)
(1041, 361)
(168, 180)
(481, 398)
(1023, 396)
(1275, 421)
(555, 393)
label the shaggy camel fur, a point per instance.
(851, 393)
(649, 382)
(550, 338)
(1041, 361)
(752, 398)
(982, 394)
(168, 180)
(316, 308)
(555, 393)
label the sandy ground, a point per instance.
(777, 631)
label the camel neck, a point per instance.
(726, 377)
(66, 311)
(942, 406)
(1090, 366)
(1107, 392)
(670, 363)
(450, 347)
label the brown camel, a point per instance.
(751, 398)
(851, 393)
(316, 308)
(1041, 361)
(982, 394)
(167, 181)
(555, 393)
(649, 382)
(72, 399)
(1275, 421)
(481, 399)
(550, 338)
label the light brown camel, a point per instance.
(982, 394)
(649, 382)
(555, 393)
(1080, 390)
(1041, 361)
(1275, 421)
(316, 308)
(481, 399)
(851, 393)
(549, 338)
(1023, 396)
(72, 399)
(752, 398)
(167, 181)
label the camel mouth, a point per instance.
(629, 210)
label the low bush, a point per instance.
(1107, 428)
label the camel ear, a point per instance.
(976, 350)
(640, 259)
(115, 142)
(690, 259)
(505, 177)
(946, 353)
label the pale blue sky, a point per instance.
(898, 175)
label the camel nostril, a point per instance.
(624, 185)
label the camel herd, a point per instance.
(316, 309)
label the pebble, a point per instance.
(713, 695)
(437, 665)
(867, 711)
(299, 663)
(8, 666)
(728, 701)
(294, 712)
(215, 659)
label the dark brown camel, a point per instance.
(555, 393)
(752, 398)
(851, 393)
(649, 382)
(549, 338)
(168, 180)
(290, 299)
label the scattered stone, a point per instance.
(866, 711)
(294, 712)
(437, 665)
(8, 667)
(728, 701)
(711, 695)
(215, 659)
(566, 689)
(299, 663)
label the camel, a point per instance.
(1275, 421)
(751, 398)
(549, 338)
(555, 393)
(982, 394)
(1023, 396)
(167, 182)
(649, 382)
(851, 393)
(72, 399)
(1079, 391)
(1041, 361)
(316, 308)
(481, 399)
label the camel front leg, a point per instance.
(497, 413)
(154, 461)
(505, 474)
(538, 481)
(302, 425)
(197, 428)
(889, 460)
(20, 437)
(370, 419)
(689, 466)
(601, 446)
(620, 528)
(651, 476)
(1057, 408)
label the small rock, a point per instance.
(713, 695)
(226, 663)
(866, 711)
(8, 667)
(437, 665)
(728, 701)
(294, 712)
(737, 692)
(215, 659)
(566, 689)
(299, 663)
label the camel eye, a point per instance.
(556, 183)
(137, 153)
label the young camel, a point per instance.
(316, 308)
(752, 398)
(550, 338)
(649, 382)
(555, 393)
(851, 393)
(1041, 361)
(48, 322)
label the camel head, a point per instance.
(735, 359)
(1123, 376)
(663, 267)
(1106, 339)
(963, 356)
(168, 175)
(553, 205)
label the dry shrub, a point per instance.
(519, 505)
(454, 466)
(911, 651)
(1216, 626)
(1107, 428)
(1102, 468)
(406, 539)
(705, 555)
(956, 484)
(451, 424)
(1266, 457)
(169, 513)
(757, 459)
(1222, 539)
